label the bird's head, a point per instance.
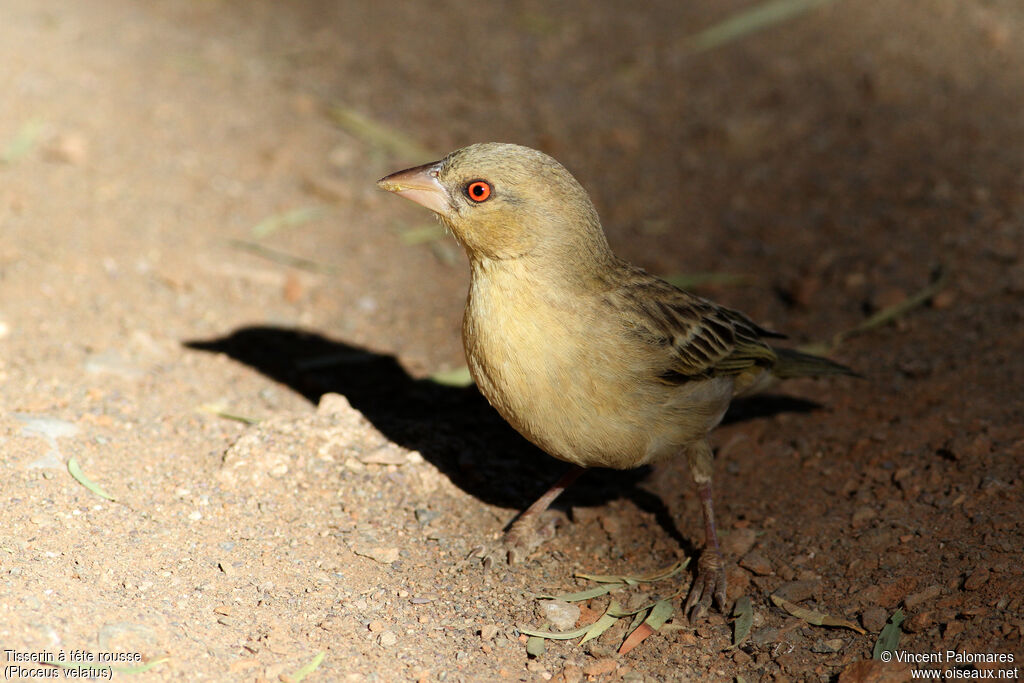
(504, 201)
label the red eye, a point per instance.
(478, 191)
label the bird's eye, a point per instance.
(479, 191)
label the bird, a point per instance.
(592, 359)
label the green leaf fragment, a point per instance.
(23, 142)
(589, 594)
(743, 612)
(379, 135)
(308, 668)
(459, 377)
(660, 613)
(606, 621)
(889, 637)
(659, 575)
(552, 635)
(76, 472)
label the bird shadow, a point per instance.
(452, 427)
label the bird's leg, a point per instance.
(710, 581)
(530, 529)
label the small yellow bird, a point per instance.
(592, 359)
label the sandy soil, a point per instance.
(186, 232)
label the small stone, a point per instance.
(387, 639)
(862, 515)
(798, 591)
(570, 673)
(562, 615)
(333, 404)
(874, 618)
(922, 596)
(600, 667)
(921, 621)
(757, 563)
(943, 300)
(977, 578)
(738, 542)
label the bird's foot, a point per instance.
(525, 535)
(528, 533)
(707, 586)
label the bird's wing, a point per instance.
(690, 337)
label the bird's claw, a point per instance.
(707, 586)
(524, 536)
(528, 533)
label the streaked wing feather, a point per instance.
(698, 338)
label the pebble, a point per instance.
(862, 515)
(977, 578)
(600, 667)
(874, 619)
(798, 591)
(757, 563)
(562, 615)
(922, 596)
(738, 542)
(828, 646)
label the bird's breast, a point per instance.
(561, 371)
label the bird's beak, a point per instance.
(420, 185)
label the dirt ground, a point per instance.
(190, 231)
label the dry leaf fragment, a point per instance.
(815, 618)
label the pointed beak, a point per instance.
(420, 185)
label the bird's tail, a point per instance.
(791, 363)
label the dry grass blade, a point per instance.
(756, 18)
(307, 669)
(287, 219)
(282, 258)
(886, 315)
(889, 638)
(378, 135)
(896, 311)
(76, 471)
(815, 618)
(743, 612)
(221, 412)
